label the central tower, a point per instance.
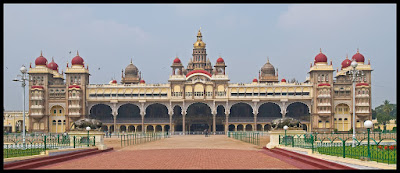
(199, 54)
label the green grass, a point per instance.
(378, 155)
(9, 153)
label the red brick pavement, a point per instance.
(176, 159)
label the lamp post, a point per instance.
(88, 128)
(368, 125)
(285, 128)
(23, 79)
(354, 73)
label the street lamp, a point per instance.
(23, 79)
(355, 73)
(368, 125)
(285, 128)
(88, 128)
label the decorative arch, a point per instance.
(156, 113)
(300, 113)
(268, 111)
(129, 113)
(299, 101)
(102, 112)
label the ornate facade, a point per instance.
(198, 97)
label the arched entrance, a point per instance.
(231, 127)
(241, 113)
(103, 113)
(128, 114)
(299, 111)
(220, 119)
(156, 114)
(177, 119)
(198, 118)
(268, 112)
(342, 117)
(57, 119)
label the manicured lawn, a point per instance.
(384, 154)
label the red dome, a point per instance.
(320, 58)
(360, 84)
(220, 60)
(346, 63)
(324, 84)
(283, 80)
(40, 60)
(142, 81)
(198, 71)
(177, 60)
(52, 65)
(114, 81)
(77, 60)
(358, 57)
(255, 80)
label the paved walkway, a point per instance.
(181, 152)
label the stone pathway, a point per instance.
(180, 152)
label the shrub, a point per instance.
(380, 146)
(391, 147)
(386, 147)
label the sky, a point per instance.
(108, 36)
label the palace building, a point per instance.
(198, 96)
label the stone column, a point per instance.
(183, 122)
(162, 128)
(214, 125)
(143, 128)
(115, 121)
(135, 128)
(226, 122)
(170, 121)
(235, 127)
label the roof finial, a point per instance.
(52, 59)
(276, 71)
(369, 61)
(131, 60)
(41, 53)
(67, 64)
(77, 53)
(347, 56)
(357, 50)
(320, 50)
(267, 59)
(30, 64)
(87, 67)
(331, 62)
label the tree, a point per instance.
(384, 113)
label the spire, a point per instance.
(331, 62)
(320, 50)
(52, 59)
(267, 59)
(310, 64)
(67, 64)
(199, 34)
(357, 50)
(122, 73)
(30, 64)
(131, 60)
(87, 67)
(276, 71)
(41, 53)
(347, 56)
(77, 53)
(337, 69)
(369, 62)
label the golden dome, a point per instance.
(199, 43)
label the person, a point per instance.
(205, 132)
(208, 132)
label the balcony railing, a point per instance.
(37, 106)
(240, 119)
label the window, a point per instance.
(64, 122)
(340, 119)
(60, 111)
(59, 122)
(55, 111)
(54, 122)
(345, 119)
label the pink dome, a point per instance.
(41, 60)
(320, 58)
(52, 65)
(255, 80)
(77, 60)
(283, 80)
(142, 81)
